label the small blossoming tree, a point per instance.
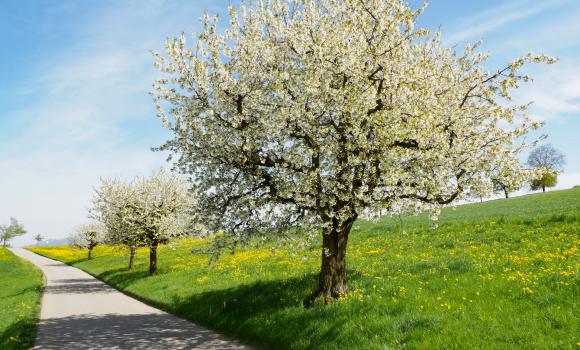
(147, 211)
(88, 236)
(305, 113)
(112, 205)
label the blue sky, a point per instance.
(75, 77)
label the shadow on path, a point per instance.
(78, 286)
(112, 331)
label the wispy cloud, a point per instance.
(536, 26)
(555, 91)
(474, 27)
(554, 35)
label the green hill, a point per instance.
(497, 275)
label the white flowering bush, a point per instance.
(88, 236)
(147, 211)
(305, 113)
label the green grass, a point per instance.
(498, 275)
(20, 289)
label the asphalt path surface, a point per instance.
(80, 312)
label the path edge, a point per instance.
(42, 288)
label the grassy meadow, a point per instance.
(502, 274)
(20, 289)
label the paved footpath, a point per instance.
(80, 312)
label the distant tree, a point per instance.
(7, 232)
(38, 238)
(550, 162)
(88, 236)
(145, 212)
(547, 180)
(307, 113)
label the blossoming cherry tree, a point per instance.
(305, 113)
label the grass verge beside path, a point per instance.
(498, 275)
(20, 292)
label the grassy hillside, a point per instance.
(20, 287)
(497, 275)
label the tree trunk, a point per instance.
(153, 259)
(332, 282)
(90, 253)
(507, 194)
(543, 188)
(132, 250)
